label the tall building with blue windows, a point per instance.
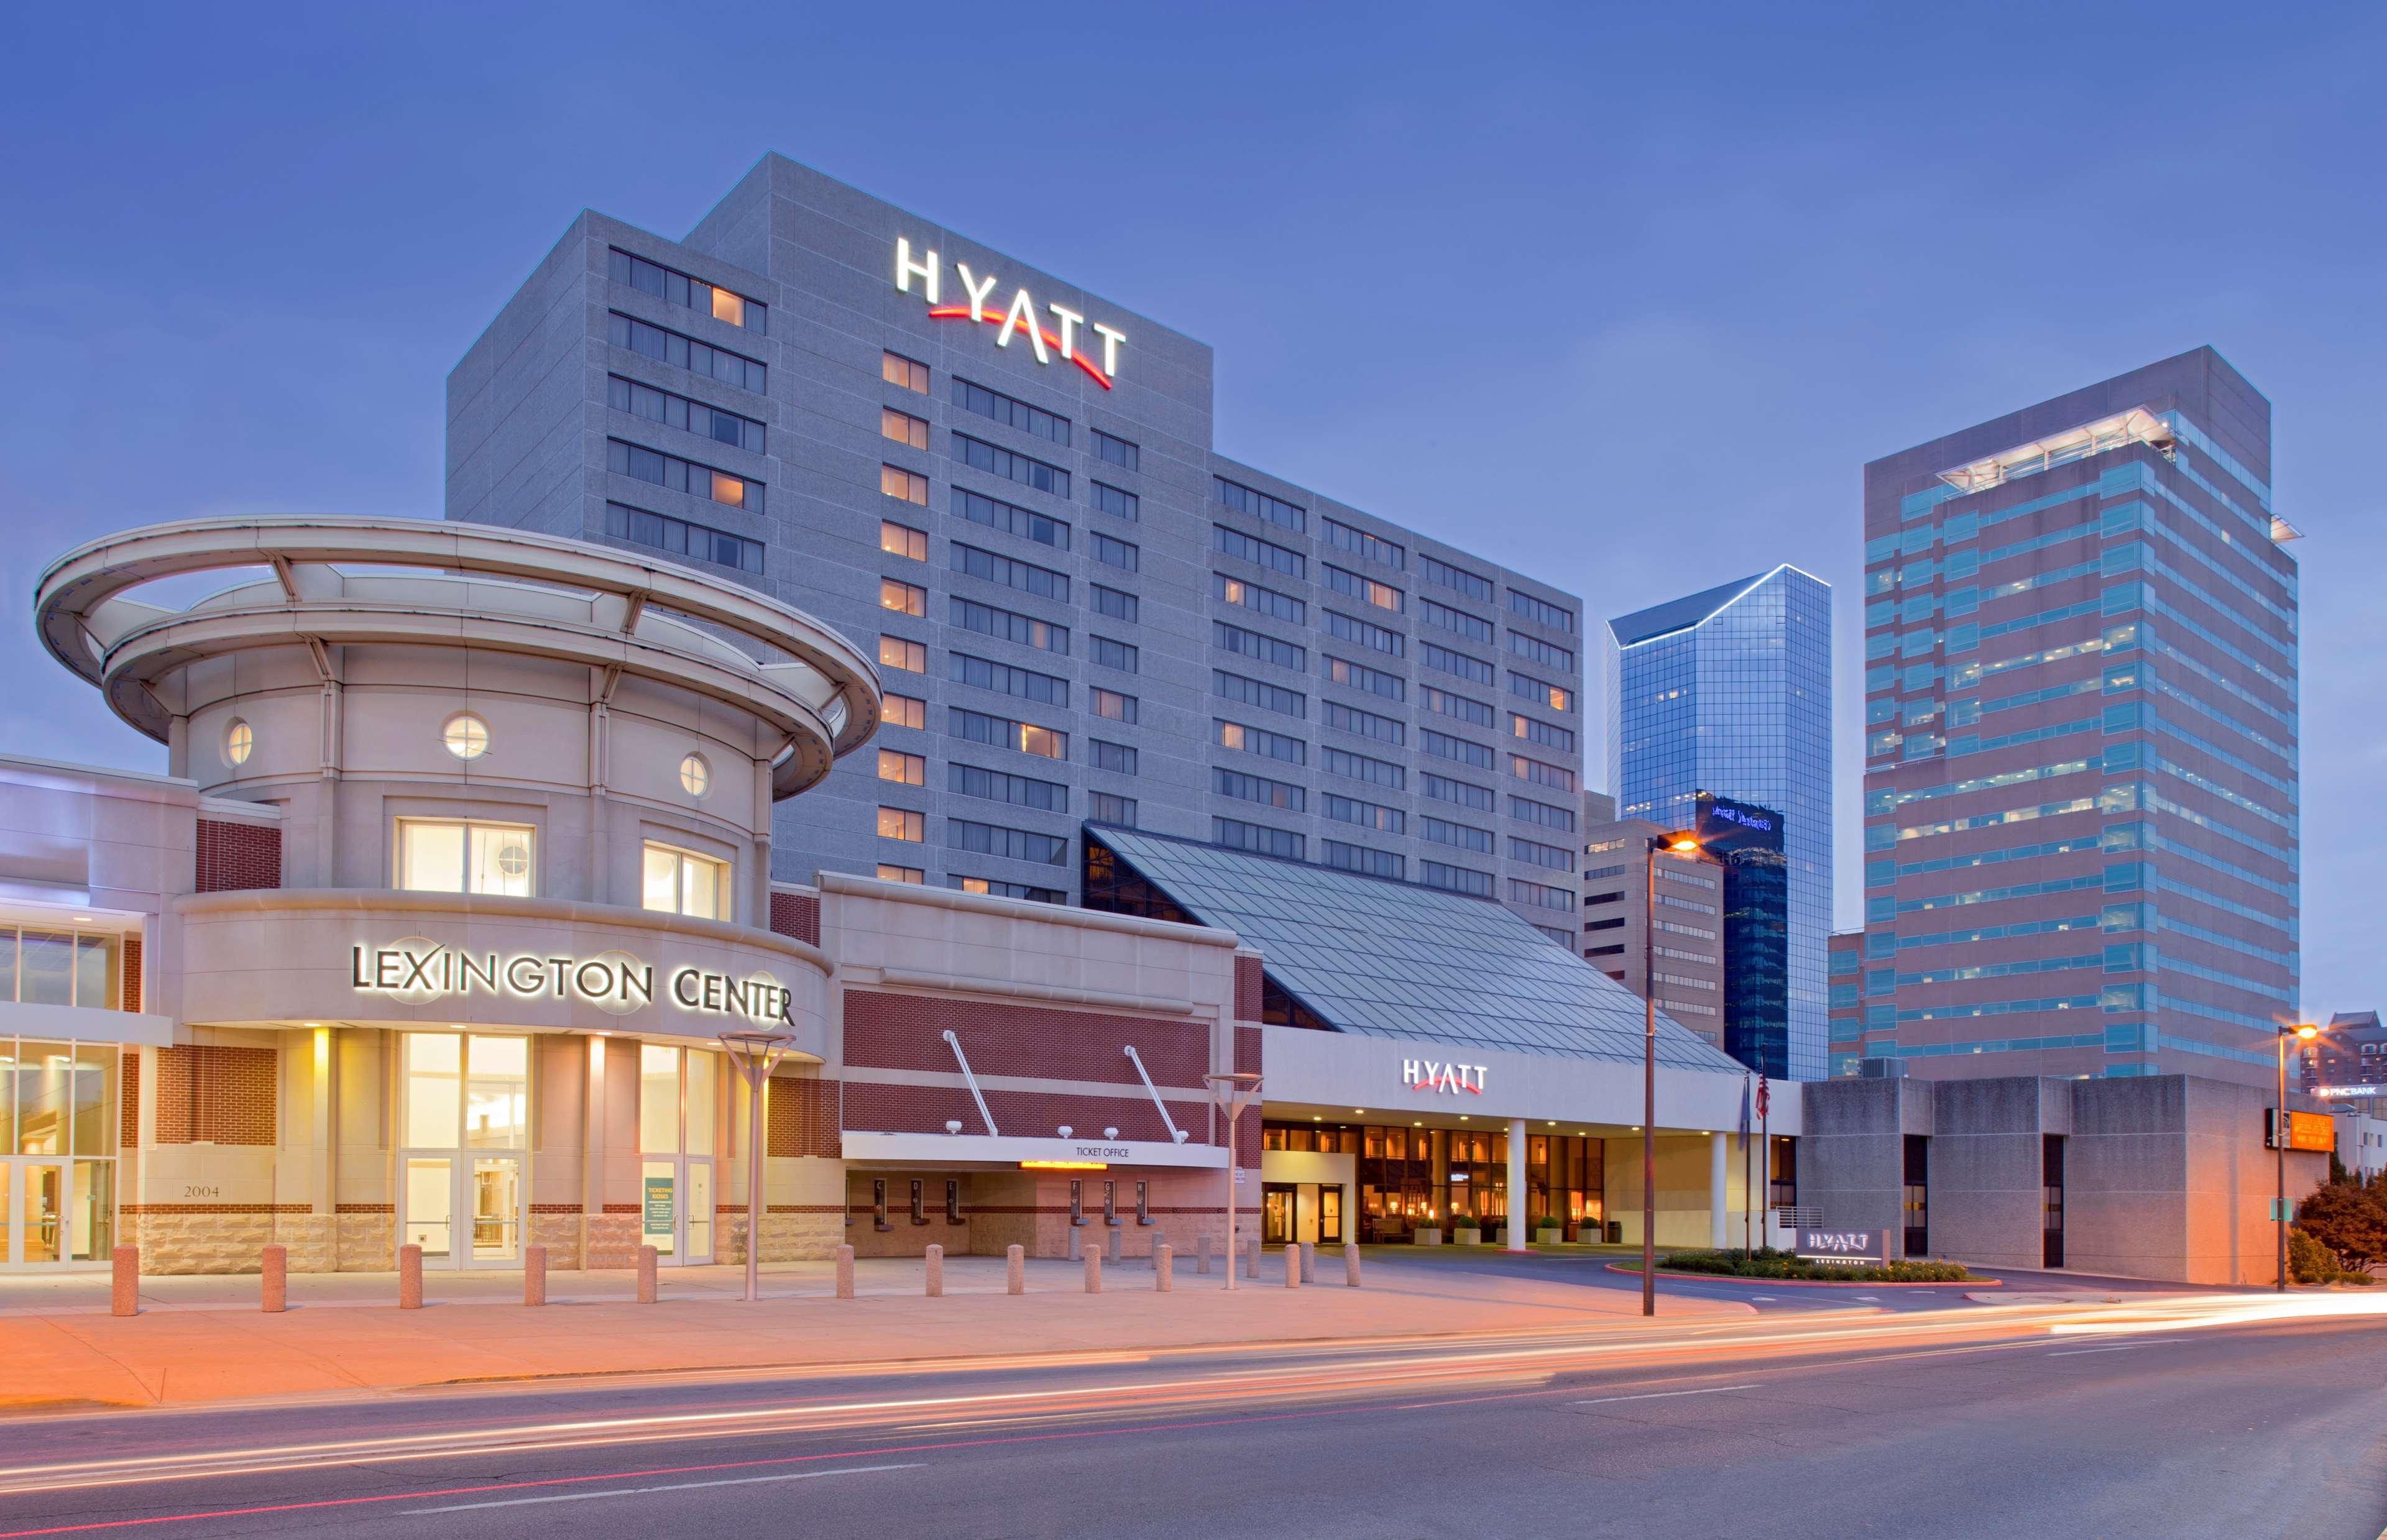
(1729, 691)
(2080, 824)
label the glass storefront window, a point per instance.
(701, 1081)
(45, 1083)
(46, 969)
(658, 1097)
(94, 1076)
(496, 1107)
(41, 968)
(434, 1090)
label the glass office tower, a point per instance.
(1729, 691)
(2080, 822)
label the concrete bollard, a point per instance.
(1015, 1269)
(124, 1289)
(1162, 1260)
(534, 1274)
(409, 1277)
(845, 1272)
(1074, 1248)
(1093, 1270)
(1251, 1257)
(646, 1275)
(1350, 1264)
(273, 1285)
(1159, 1239)
(936, 1272)
(1309, 1261)
(1113, 1247)
(1203, 1265)
(1293, 1266)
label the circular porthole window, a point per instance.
(514, 858)
(240, 741)
(466, 735)
(695, 775)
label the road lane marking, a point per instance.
(2120, 1348)
(1660, 1394)
(673, 1486)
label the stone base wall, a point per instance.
(560, 1233)
(174, 1243)
(614, 1241)
(367, 1242)
(311, 1241)
(786, 1237)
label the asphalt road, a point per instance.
(1949, 1425)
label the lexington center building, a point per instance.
(460, 872)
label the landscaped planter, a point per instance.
(1467, 1235)
(1426, 1235)
(1549, 1235)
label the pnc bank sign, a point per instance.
(1017, 317)
(417, 969)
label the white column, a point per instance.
(1719, 1189)
(1517, 1220)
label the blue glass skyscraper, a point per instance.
(1729, 691)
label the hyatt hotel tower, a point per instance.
(2080, 808)
(1003, 486)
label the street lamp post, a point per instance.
(2301, 1033)
(755, 1054)
(1232, 1092)
(1681, 840)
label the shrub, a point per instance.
(1767, 1262)
(2350, 1220)
(2308, 1260)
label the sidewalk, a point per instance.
(203, 1339)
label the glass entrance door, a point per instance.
(464, 1211)
(35, 1201)
(676, 1208)
(1276, 1214)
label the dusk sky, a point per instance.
(1622, 302)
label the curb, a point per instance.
(1817, 1282)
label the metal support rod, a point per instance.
(971, 1080)
(1137, 1059)
(2279, 1155)
(1650, 1092)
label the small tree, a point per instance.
(2308, 1260)
(2350, 1220)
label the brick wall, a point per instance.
(132, 973)
(1247, 988)
(233, 857)
(221, 1094)
(800, 1117)
(904, 1031)
(797, 914)
(1248, 1043)
(128, 1099)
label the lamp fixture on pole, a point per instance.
(755, 1054)
(2303, 1031)
(1680, 843)
(1232, 1092)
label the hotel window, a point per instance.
(1027, 630)
(1360, 543)
(1361, 768)
(1383, 595)
(1557, 697)
(682, 882)
(1118, 757)
(1457, 622)
(904, 711)
(678, 412)
(1449, 577)
(1024, 737)
(680, 537)
(1251, 644)
(1350, 719)
(896, 482)
(980, 509)
(1259, 692)
(1047, 690)
(1011, 412)
(902, 540)
(1116, 553)
(901, 873)
(1112, 654)
(897, 370)
(1115, 603)
(39, 968)
(1274, 557)
(1534, 770)
(1014, 844)
(979, 455)
(1541, 610)
(1117, 451)
(902, 427)
(896, 822)
(1374, 815)
(1104, 807)
(904, 599)
(1111, 500)
(1251, 596)
(675, 287)
(1275, 510)
(1025, 576)
(1442, 703)
(1352, 628)
(902, 768)
(438, 855)
(1112, 704)
(1540, 652)
(1255, 741)
(1359, 858)
(1449, 661)
(1375, 681)
(995, 888)
(1534, 731)
(1235, 834)
(1258, 788)
(910, 656)
(674, 474)
(995, 786)
(713, 364)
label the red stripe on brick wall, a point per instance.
(235, 857)
(904, 1031)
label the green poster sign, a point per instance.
(658, 1207)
